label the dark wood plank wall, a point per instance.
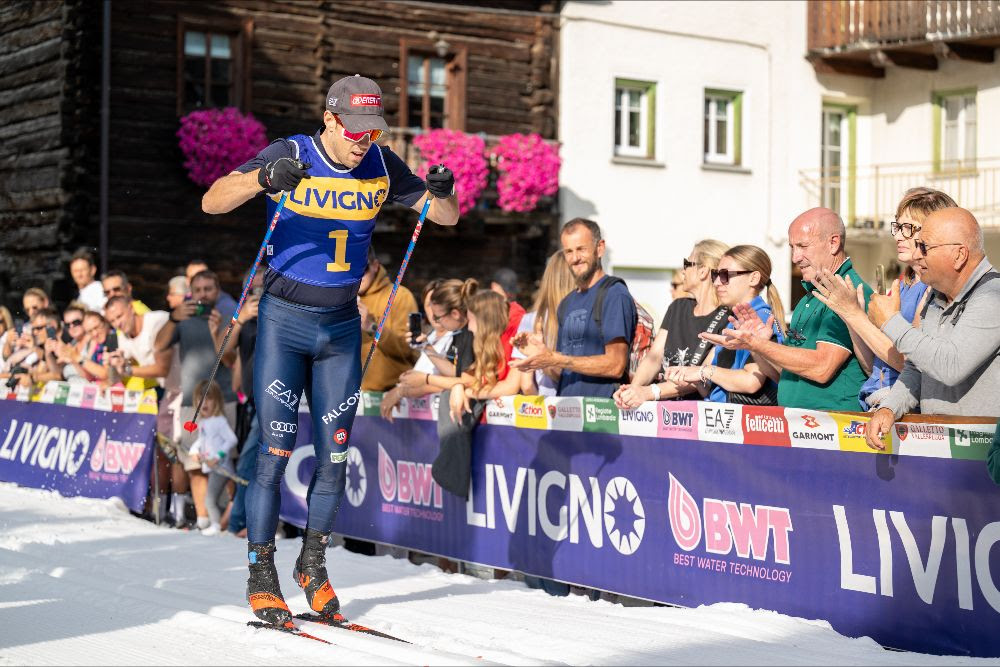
(299, 47)
(45, 133)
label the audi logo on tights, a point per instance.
(284, 427)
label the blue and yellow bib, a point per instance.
(323, 233)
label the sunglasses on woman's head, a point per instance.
(724, 275)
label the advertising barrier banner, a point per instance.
(896, 547)
(77, 451)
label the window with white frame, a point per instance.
(723, 127)
(635, 104)
(957, 128)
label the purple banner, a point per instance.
(76, 451)
(898, 548)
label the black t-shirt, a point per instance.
(246, 343)
(460, 351)
(683, 347)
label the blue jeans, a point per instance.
(245, 467)
(318, 350)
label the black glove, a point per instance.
(282, 174)
(441, 181)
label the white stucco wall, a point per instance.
(652, 215)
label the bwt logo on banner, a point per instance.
(726, 526)
(621, 517)
(409, 483)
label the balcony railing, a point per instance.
(866, 197)
(844, 25)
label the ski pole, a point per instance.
(399, 279)
(190, 426)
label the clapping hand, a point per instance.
(839, 294)
(747, 328)
(533, 347)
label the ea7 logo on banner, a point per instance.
(728, 525)
(720, 422)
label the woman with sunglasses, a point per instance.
(308, 322)
(677, 342)
(873, 348)
(744, 273)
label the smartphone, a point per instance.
(50, 332)
(111, 342)
(66, 336)
(200, 310)
(416, 328)
(880, 278)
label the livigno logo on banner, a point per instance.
(529, 412)
(969, 443)
(600, 415)
(641, 421)
(565, 414)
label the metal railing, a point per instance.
(867, 196)
(847, 24)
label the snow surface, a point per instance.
(84, 582)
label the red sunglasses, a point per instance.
(375, 134)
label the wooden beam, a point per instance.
(972, 52)
(848, 67)
(911, 59)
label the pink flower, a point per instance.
(460, 152)
(529, 169)
(216, 141)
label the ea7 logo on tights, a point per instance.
(283, 395)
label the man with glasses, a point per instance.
(116, 283)
(953, 358)
(817, 365)
(308, 316)
(137, 361)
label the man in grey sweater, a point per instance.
(952, 363)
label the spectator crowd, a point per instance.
(927, 342)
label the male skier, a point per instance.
(309, 328)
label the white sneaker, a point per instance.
(212, 529)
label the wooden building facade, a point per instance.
(482, 67)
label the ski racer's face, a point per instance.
(345, 151)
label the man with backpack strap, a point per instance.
(599, 323)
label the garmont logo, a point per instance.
(366, 100)
(764, 424)
(813, 435)
(810, 421)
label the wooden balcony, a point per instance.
(866, 196)
(863, 37)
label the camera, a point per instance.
(14, 372)
(416, 328)
(111, 342)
